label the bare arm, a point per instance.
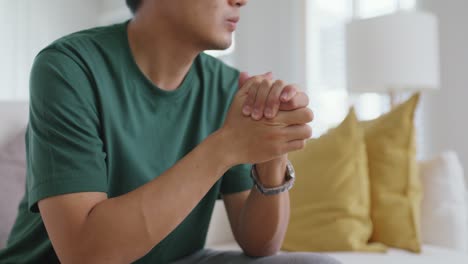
(89, 228)
(259, 222)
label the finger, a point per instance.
(250, 100)
(250, 87)
(294, 145)
(243, 77)
(273, 100)
(294, 117)
(299, 101)
(260, 100)
(289, 92)
(297, 132)
(258, 78)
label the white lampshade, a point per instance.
(394, 52)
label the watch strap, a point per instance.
(290, 178)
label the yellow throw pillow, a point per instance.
(330, 208)
(394, 179)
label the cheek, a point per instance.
(210, 24)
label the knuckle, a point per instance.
(258, 78)
(265, 83)
(279, 83)
(257, 81)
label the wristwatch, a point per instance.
(289, 177)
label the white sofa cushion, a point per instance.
(428, 255)
(14, 119)
(12, 175)
(444, 209)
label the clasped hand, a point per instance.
(267, 119)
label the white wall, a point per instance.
(113, 11)
(271, 37)
(27, 26)
(112, 4)
(446, 110)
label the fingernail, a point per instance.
(268, 113)
(256, 114)
(285, 96)
(246, 110)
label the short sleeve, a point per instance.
(237, 179)
(65, 152)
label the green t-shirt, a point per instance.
(97, 124)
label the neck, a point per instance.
(159, 54)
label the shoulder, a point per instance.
(83, 45)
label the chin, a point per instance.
(219, 42)
(222, 44)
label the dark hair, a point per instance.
(133, 5)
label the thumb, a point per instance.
(243, 77)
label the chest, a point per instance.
(146, 135)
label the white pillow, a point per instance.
(444, 206)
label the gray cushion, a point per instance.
(12, 181)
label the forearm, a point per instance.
(125, 228)
(264, 219)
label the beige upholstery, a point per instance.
(13, 120)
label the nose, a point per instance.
(238, 3)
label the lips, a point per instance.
(232, 23)
(234, 20)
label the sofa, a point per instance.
(445, 238)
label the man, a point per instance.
(134, 133)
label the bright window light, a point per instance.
(335, 7)
(407, 4)
(371, 8)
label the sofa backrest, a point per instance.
(13, 122)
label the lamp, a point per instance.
(393, 53)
